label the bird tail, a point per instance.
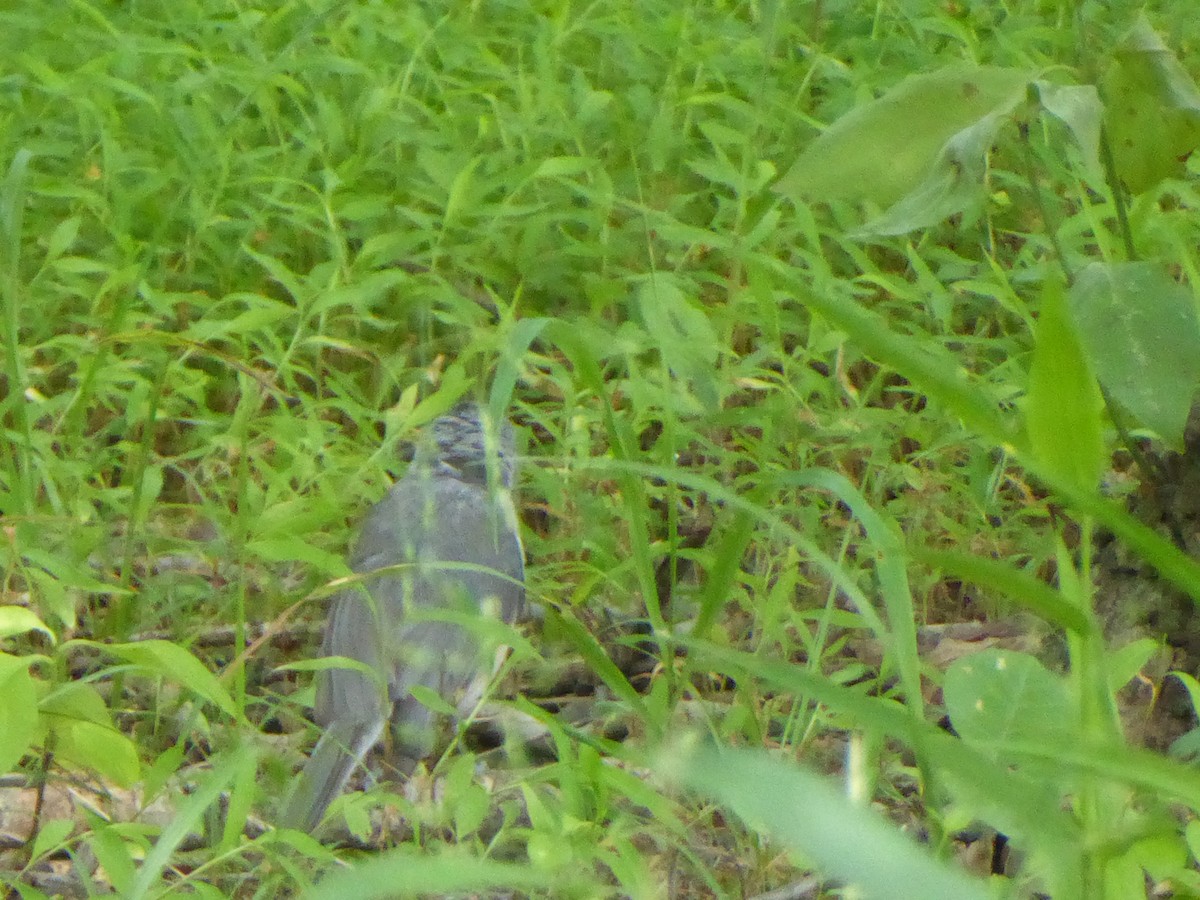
(340, 750)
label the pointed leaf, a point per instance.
(1063, 405)
(685, 337)
(953, 184)
(882, 150)
(1079, 108)
(1141, 334)
(174, 663)
(84, 736)
(1152, 109)
(18, 709)
(16, 620)
(1001, 696)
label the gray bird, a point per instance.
(452, 507)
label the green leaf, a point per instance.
(1162, 855)
(261, 314)
(591, 651)
(1079, 108)
(295, 549)
(1123, 665)
(461, 188)
(100, 748)
(84, 736)
(564, 167)
(685, 337)
(62, 238)
(52, 835)
(337, 662)
(519, 339)
(242, 795)
(883, 150)
(1002, 696)
(1010, 801)
(406, 872)
(1152, 109)
(172, 662)
(1142, 337)
(811, 816)
(954, 182)
(430, 698)
(1019, 587)
(18, 709)
(114, 855)
(16, 620)
(1062, 411)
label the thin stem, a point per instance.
(1040, 202)
(1118, 194)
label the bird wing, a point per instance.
(424, 522)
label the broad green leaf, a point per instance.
(1123, 877)
(1140, 331)
(51, 836)
(1079, 108)
(84, 735)
(432, 699)
(1011, 802)
(262, 312)
(100, 748)
(883, 150)
(461, 188)
(685, 338)
(172, 662)
(953, 184)
(520, 336)
(1162, 855)
(809, 814)
(564, 167)
(1152, 109)
(1002, 696)
(75, 701)
(1192, 834)
(62, 238)
(18, 710)
(16, 620)
(114, 855)
(1062, 411)
(1123, 665)
(296, 549)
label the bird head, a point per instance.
(466, 439)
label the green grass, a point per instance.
(247, 252)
